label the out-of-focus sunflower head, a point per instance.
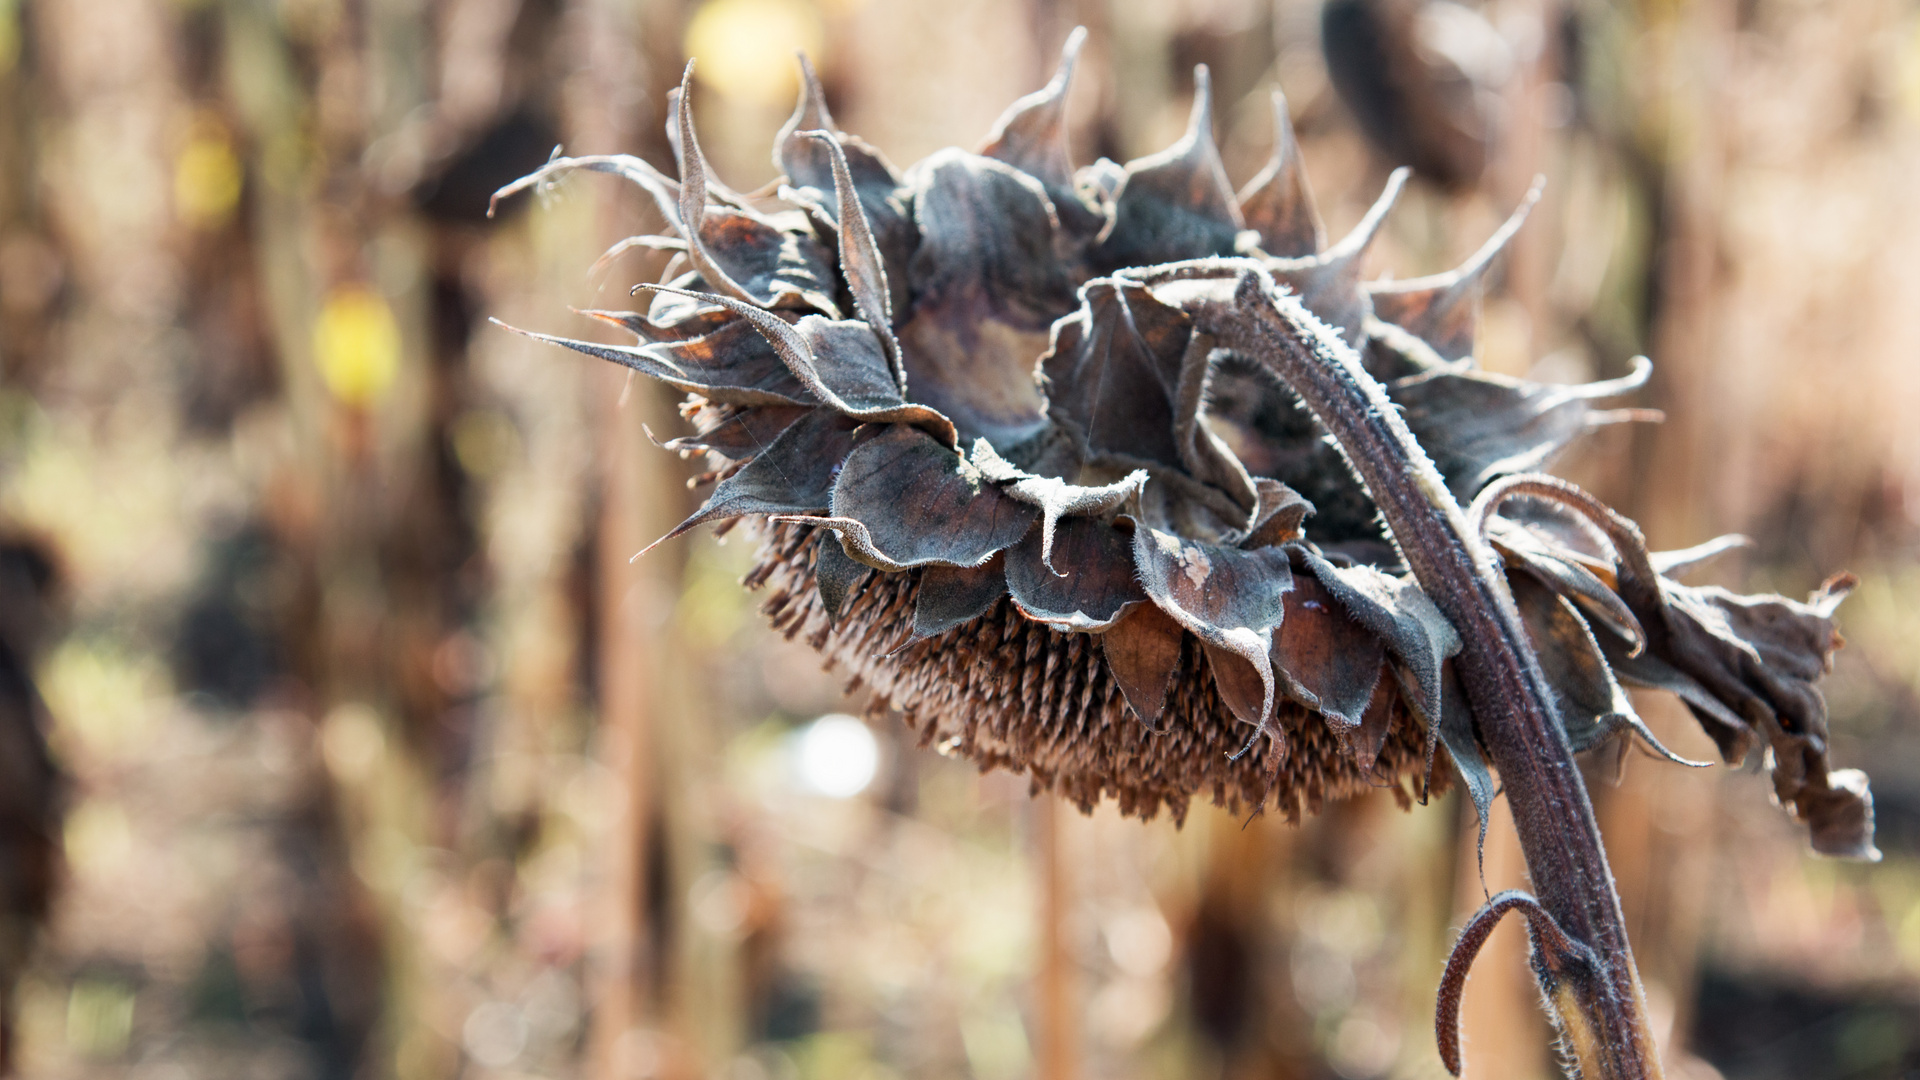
(1001, 475)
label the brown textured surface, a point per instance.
(1007, 692)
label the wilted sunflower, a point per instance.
(1003, 470)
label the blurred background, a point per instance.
(339, 739)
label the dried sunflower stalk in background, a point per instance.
(1002, 471)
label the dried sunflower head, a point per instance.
(1001, 474)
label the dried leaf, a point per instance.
(861, 262)
(732, 364)
(1326, 659)
(1098, 586)
(795, 475)
(1230, 599)
(1587, 698)
(1329, 283)
(841, 364)
(1455, 729)
(1478, 426)
(1277, 203)
(902, 500)
(1055, 497)
(1444, 309)
(1032, 136)
(987, 286)
(1277, 515)
(1142, 650)
(743, 433)
(835, 574)
(1113, 375)
(1398, 613)
(952, 595)
(1176, 204)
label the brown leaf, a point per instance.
(1097, 586)
(743, 433)
(1329, 283)
(952, 595)
(1325, 658)
(1277, 515)
(835, 574)
(904, 500)
(840, 363)
(1278, 203)
(737, 252)
(1055, 497)
(809, 169)
(1113, 374)
(1444, 309)
(860, 260)
(1395, 610)
(1032, 136)
(1478, 426)
(986, 285)
(794, 475)
(1142, 650)
(1587, 698)
(1230, 599)
(1176, 204)
(732, 364)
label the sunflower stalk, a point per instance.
(1582, 958)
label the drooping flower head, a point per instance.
(1001, 474)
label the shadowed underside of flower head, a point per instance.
(1003, 472)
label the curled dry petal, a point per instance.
(1277, 204)
(986, 286)
(1231, 600)
(902, 500)
(1096, 589)
(1176, 204)
(1444, 309)
(952, 595)
(795, 475)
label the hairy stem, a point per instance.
(1601, 1012)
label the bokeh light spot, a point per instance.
(745, 48)
(356, 344)
(837, 756)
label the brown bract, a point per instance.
(1001, 472)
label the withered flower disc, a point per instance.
(999, 473)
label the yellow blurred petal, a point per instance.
(207, 178)
(356, 344)
(745, 48)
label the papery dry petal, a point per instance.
(1397, 612)
(1097, 586)
(1278, 204)
(1142, 650)
(986, 285)
(1176, 204)
(1329, 283)
(952, 595)
(1230, 599)
(920, 503)
(1325, 658)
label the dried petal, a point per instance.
(1031, 136)
(1176, 204)
(860, 260)
(743, 433)
(916, 502)
(1444, 309)
(1098, 586)
(986, 288)
(1277, 203)
(952, 595)
(1142, 650)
